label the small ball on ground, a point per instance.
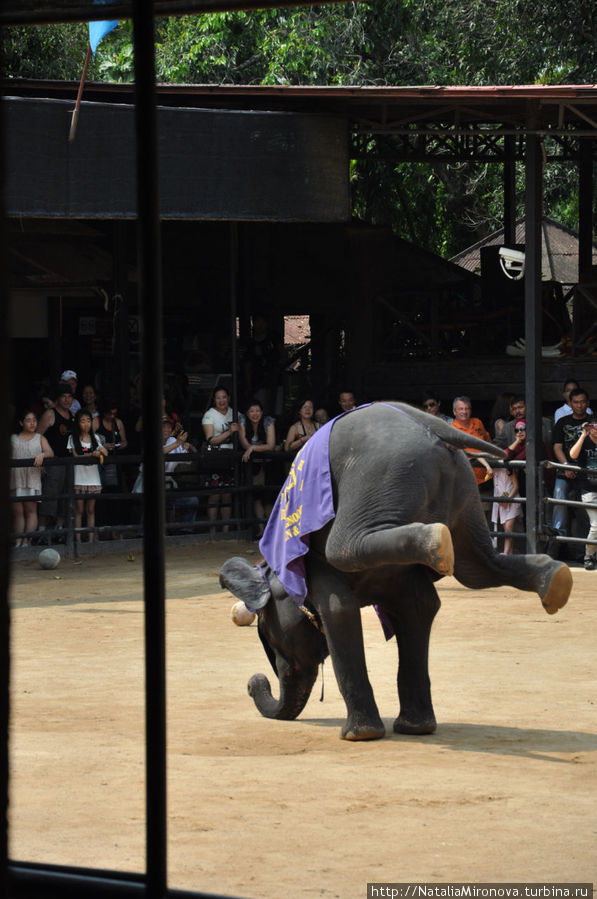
(48, 558)
(241, 616)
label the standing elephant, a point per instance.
(404, 510)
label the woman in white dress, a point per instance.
(505, 485)
(85, 442)
(26, 481)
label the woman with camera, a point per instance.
(584, 451)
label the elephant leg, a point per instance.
(478, 565)
(412, 616)
(409, 544)
(341, 618)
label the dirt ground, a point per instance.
(504, 791)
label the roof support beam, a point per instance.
(585, 207)
(532, 304)
(509, 174)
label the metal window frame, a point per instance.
(31, 880)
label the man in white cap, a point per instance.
(70, 377)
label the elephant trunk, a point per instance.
(295, 689)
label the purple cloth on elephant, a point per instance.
(304, 505)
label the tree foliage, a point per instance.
(374, 42)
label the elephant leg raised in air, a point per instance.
(341, 618)
(409, 544)
(412, 614)
(478, 565)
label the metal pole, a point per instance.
(585, 206)
(5, 533)
(233, 296)
(533, 329)
(509, 176)
(150, 296)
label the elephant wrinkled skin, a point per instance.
(407, 512)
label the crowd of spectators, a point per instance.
(58, 424)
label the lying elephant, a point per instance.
(406, 511)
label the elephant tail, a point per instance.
(452, 436)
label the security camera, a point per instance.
(512, 263)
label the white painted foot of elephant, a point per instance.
(556, 590)
(441, 549)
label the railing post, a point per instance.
(69, 518)
(541, 498)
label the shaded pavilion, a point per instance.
(385, 317)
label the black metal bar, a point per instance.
(28, 880)
(5, 527)
(509, 191)
(154, 559)
(533, 328)
(572, 503)
(585, 207)
(233, 298)
(69, 519)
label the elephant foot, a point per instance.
(363, 731)
(556, 589)
(441, 549)
(245, 581)
(405, 726)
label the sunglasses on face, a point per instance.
(520, 430)
(429, 405)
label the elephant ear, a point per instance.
(246, 582)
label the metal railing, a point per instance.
(187, 501)
(187, 518)
(486, 499)
(546, 534)
(548, 502)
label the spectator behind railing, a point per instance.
(90, 404)
(584, 451)
(26, 482)
(219, 427)
(84, 442)
(565, 434)
(301, 430)
(474, 426)
(56, 425)
(111, 429)
(500, 414)
(258, 435)
(431, 405)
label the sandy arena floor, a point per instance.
(504, 791)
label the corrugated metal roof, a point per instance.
(559, 251)
(528, 108)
